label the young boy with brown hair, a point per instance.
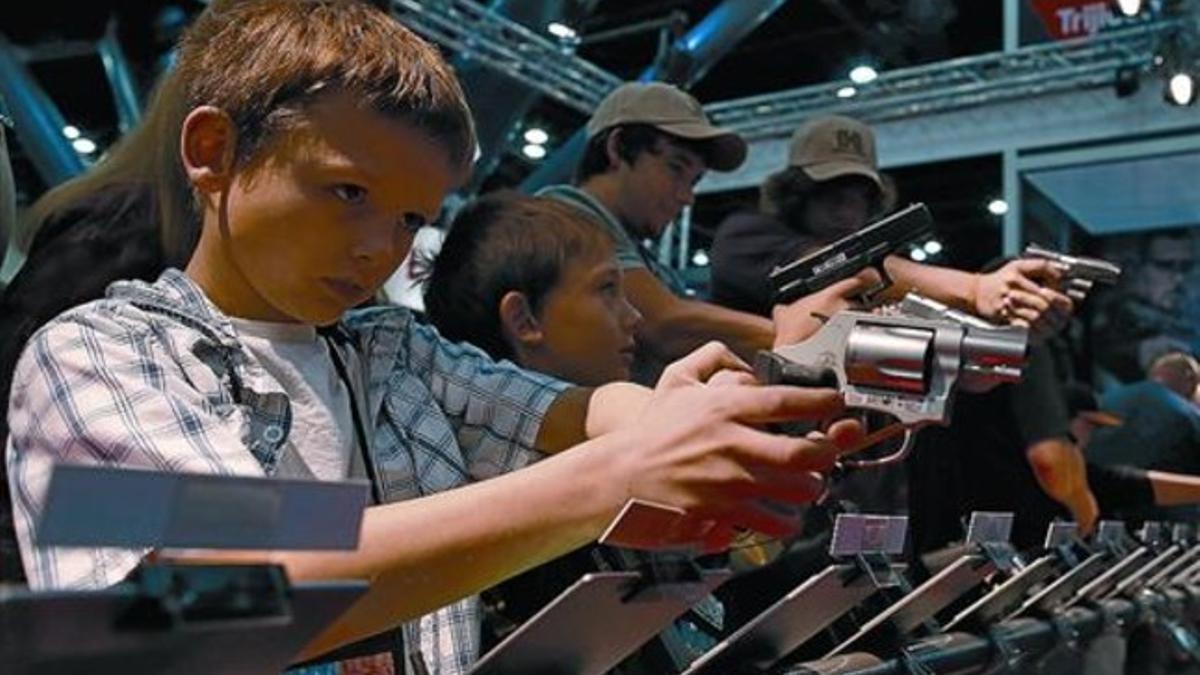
(533, 281)
(320, 135)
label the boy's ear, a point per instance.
(206, 145)
(521, 328)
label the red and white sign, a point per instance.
(1066, 19)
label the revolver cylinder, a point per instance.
(893, 358)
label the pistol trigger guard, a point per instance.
(905, 448)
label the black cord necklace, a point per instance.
(334, 336)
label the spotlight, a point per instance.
(534, 151)
(863, 74)
(1130, 7)
(700, 258)
(846, 92)
(1181, 88)
(536, 136)
(997, 207)
(918, 254)
(933, 247)
(561, 30)
(84, 146)
(1179, 69)
(71, 132)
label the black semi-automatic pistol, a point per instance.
(850, 255)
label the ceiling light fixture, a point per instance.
(561, 30)
(534, 151)
(863, 74)
(1130, 7)
(536, 136)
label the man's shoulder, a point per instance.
(751, 223)
(629, 254)
(560, 191)
(586, 203)
(1135, 394)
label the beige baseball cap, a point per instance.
(671, 110)
(833, 146)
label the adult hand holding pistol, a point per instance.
(1022, 292)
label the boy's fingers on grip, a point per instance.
(780, 403)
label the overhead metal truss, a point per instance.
(542, 63)
(955, 84)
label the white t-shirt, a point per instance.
(322, 441)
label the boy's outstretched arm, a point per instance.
(88, 395)
(694, 447)
(582, 413)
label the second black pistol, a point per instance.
(851, 254)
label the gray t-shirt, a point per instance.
(321, 443)
(630, 254)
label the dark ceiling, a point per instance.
(804, 42)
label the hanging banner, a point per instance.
(1069, 19)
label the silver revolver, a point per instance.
(1080, 274)
(907, 362)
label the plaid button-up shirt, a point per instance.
(153, 376)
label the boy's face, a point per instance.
(325, 215)
(588, 324)
(656, 186)
(839, 208)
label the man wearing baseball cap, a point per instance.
(649, 143)
(832, 187)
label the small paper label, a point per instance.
(854, 534)
(650, 526)
(989, 527)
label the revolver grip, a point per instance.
(771, 368)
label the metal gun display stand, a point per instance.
(1136, 554)
(987, 551)
(179, 618)
(1156, 586)
(1059, 554)
(1167, 550)
(601, 619)
(864, 544)
(1178, 568)
(1110, 545)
